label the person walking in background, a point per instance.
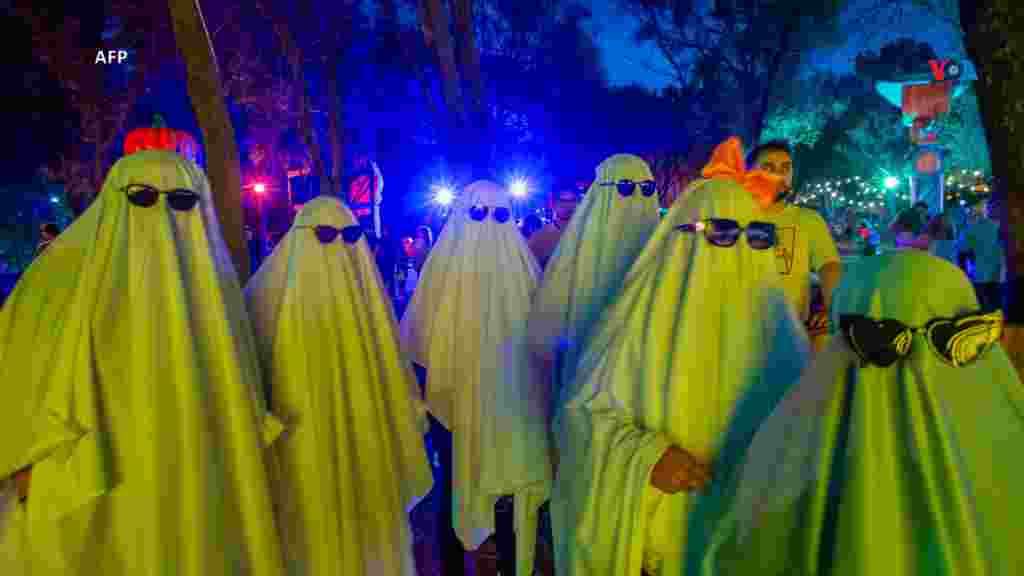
(910, 232)
(531, 224)
(922, 210)
(563, 205)
(48, 232)
(421, 246)
(386, 257)
(982, 244)
(943, 236)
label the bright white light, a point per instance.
(891, 182)
(259, 188)
(54, 200)
(443, 195)
(519, 188)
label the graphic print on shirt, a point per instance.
(786, 238)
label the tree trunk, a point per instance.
(207, 95)
(410, 49)
(295, 62)
(306, 127)
(335, 117)
(442, 41)
(471, 62)
(992, 30)
(774, 67)
(97, 157)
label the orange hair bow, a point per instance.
(727, 162)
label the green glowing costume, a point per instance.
(586, 272)
(695, 353)
(905, 470)
(353, 462)
(132, 388)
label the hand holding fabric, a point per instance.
(679, 470)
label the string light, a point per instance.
(873, 194)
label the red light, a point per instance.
(259, 188)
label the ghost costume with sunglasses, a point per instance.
(138, 405)
(607, 231)
(693, 355)
(354, 462)
(466, 325)
(897, 452)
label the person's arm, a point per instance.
(824, 258)
(829, 275)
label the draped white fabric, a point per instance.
(586, 272)
(466, 324)
(694, 353)
(353, 462)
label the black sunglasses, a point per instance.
(145, 196)
(328, 234)
(724, 232)
(627, 187)
(479, 213)
(956, 341)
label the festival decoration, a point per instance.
(923, 98)
(160, 137)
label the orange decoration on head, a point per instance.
(727, 162)
(160, 137)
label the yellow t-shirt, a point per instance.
(805, 244)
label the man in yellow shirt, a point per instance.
(805, 244)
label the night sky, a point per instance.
(628, 64)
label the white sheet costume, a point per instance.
(353, 462)
(695, 353)
(466, 325)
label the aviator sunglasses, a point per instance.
(724, 233)
(328, 234)
(500, 214)
(145, 196)
(626, 188)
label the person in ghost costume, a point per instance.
(606, 233)
(696, 351)
(353, 464)
(897, 451)
(466, 325)
(133, 392)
